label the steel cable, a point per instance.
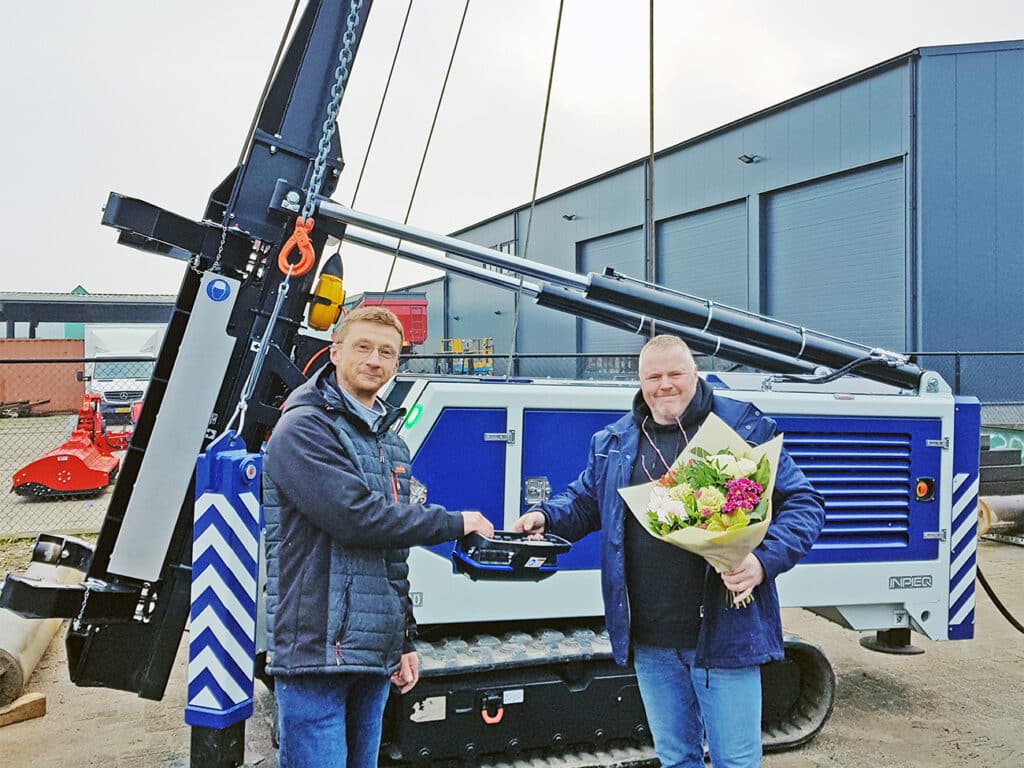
(517, 299)
(426, 147)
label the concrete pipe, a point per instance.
(999, 513)
(24, 641)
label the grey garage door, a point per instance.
(624, 252)
(705, 253)
(835, 256)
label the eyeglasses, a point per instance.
(365, 349)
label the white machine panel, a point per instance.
(166, 469)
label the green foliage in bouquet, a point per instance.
(715, 492)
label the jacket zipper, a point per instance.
(394, 481)
(624, 463)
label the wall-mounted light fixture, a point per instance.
(748, 159)
(570, 216)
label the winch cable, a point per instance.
(998, 603)
(266, 86)
(651, 238)
(518, 297)
(380, 108)
(373, 131)
(426, 147)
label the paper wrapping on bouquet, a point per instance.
(724, 550)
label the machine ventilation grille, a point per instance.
(867, 484)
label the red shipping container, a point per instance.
(32, 382)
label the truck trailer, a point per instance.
(119, 365)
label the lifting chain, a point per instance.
(330, 124)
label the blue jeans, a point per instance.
(330, 721)
(684, 703)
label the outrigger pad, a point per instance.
(508, 555)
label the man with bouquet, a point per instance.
(697, 658)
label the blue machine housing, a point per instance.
(897, 549)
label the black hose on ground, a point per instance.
(1002, 609)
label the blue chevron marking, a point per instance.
(964, 519)
(210, 560)
(207, 639)
(225, 621)
(228, 533)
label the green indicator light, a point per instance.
(414, 416)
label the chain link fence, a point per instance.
(40, 402)
(56, 457)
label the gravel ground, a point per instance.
(958, 704)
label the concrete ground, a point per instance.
(959, 704)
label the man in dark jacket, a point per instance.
(697, 661)
(339, 524)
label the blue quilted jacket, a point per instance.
(338, 530)
(728, 638)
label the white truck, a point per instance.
(119, 365)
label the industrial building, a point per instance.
(886, 207)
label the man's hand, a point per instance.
(532, 524)
(474, 522)
(742, 579)
(409, 673)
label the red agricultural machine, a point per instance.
(81, 466)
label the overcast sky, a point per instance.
(152, 99)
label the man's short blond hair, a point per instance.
(667, 341)
(368, 314)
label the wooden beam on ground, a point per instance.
(26, 707)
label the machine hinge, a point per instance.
(536, 490)
(942, 442)
(935, 535)
(501, 437)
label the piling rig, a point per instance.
(507, 667)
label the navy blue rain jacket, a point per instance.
(728, 638)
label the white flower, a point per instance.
(723, 462)
(665, 507)
(732, 467)
(743, 467)
(672, 509)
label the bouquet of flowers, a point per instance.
(715, 500)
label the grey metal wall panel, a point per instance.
(834, 255)
(491, 233)
(477, 311)
(858, 123)
(609, 204)
(546, 330)
(971, 199)
(624, 252)
(705, 253)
